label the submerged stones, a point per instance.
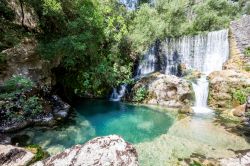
(108, 150)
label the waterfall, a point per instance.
(148, 62)
(118, 94)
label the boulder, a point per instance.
(239, 111)
(14, 156)
(24, 15)
(165, 90)
(23, 60)
(222, 86)
(108, 150)
(240, 160)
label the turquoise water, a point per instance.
(94, 118)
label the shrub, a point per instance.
(240, 95)
(17, 82)
(32, 106)
(247, 52)
(38, 151)
(140, 94)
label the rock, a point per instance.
(109, 150)
(24, 15)
(4, 140)
(239, 111)
(223, 84)
(165, 90)
(23, 60)
(239, 40)
(14, 156)
(60, 108)
(248, 104)
(241, 160)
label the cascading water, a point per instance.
(146, 66)
(118, 94)
(148, 62)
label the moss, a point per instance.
(40, 154)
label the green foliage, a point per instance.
(247, 52)
(140, 94)
(91, 48)
(147, 26)
(240, 95)
(174, 18)
(2, 58)
(195, 163)
(5, 11)
(214, 15)
(18, 83)
(32, 106)
(38, 151)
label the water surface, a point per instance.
(94, 118)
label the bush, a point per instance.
(240, 96)
(38, 151)
(32, 106)
(17, 83)
(247, 52)
(140, 94)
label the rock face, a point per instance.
(239, 41)
(23, 60)
(14, 156)
(54, 110)
(166, 90)
(109, 150)
(243, 160)
(24, 15)
(222, 86)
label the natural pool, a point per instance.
(159, 137)
(94, 118)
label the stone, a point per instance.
(105, 151)
(248, 104)
(165, 90)
(24, 15)
(4, 139)
(223, 84)
(239, 111)
(60, 108)
(240, 160)
(14, 156)
(23, 60)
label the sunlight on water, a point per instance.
(99, 118)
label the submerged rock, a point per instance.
(14, 156)
(166, 90)
(109, 150)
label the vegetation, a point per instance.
(40, 154)
(240, 96)
(97, 41)
(14, 100)
(140, 94)
(247, 52)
